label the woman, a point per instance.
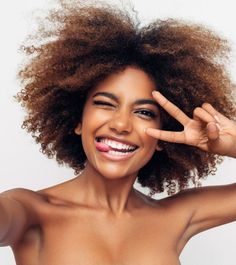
(101, 96)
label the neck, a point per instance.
(112, 195)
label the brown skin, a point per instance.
(99, 218)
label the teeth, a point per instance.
(112, 152)
(117, 145)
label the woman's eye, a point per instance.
(147, 113)
(99, 102)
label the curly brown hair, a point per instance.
(87, 43)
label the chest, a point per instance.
(92, 249)
(91, 240)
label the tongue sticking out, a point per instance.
(102, 147)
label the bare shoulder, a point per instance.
(29, 199)
(177, 212)
(182, 199)
(24, 195)
(203, 207)
(41, 207)
(173, 215)
(180, 206)
(59, 194)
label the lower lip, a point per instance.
(117, 157)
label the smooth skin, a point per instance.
(98, 218)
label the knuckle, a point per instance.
(165, 103)
(176, 111)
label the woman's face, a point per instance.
(114, 118)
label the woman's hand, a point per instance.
(209, 130)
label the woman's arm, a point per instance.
(13, 220)
(210, 131)
(209, 206)
(17, 214)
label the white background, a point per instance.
(22, 165)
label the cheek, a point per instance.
(92, 121)
(150, 143)
(101, 116)
(95, 114)
(147, 140)
(154, 124)
(92, 117)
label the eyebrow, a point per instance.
(136, 102)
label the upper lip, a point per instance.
(117, 139)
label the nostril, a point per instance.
(120, 123)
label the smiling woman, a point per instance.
(180, 59)
(118, 102)
(116, 112)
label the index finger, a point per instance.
(171, 108)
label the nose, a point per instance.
(121, 122)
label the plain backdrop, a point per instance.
(22, 165)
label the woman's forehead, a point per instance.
(131, 81)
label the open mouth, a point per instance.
(113, 147)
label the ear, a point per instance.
(78, 129)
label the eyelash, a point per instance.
(149, 114)
(99, 102)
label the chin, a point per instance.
(113, 174)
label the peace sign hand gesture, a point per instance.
(209, 130)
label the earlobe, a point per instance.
(78, 129)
